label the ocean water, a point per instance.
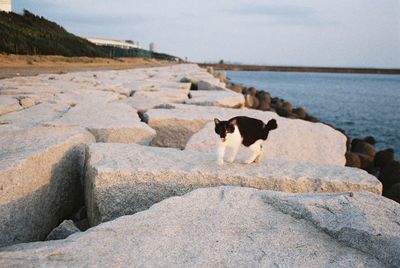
(361, 104)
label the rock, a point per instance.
(287, 106)
(321, 144)
(34, 116)
(311, 118)
(363, 147)
(252, 91)
(371, 140)
(40, 180)
(8, 104)
(390, 174)
(221, 98)
(393, 192)
(265, 105)
(249, 101)
(281, 111)
(26, 102)
(221, 76)
(353, 160)
(367, 162)
(277, 102)
(205, 85)
(62, 231)
(293, 140)
(301, 113)
(108, 122)
(382, 158)
(233, 227)
(237, 89)
(124, 179)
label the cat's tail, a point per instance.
(271, 125)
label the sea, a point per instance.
(361, 104)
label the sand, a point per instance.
(23, 65)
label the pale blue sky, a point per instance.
(348, 33)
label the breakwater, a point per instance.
(240, 67)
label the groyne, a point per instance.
(129, 156)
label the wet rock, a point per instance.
(353, 160)
(301, 113)
(371, 140)
(252, 91)
(249, 101)
(233, 227)
(264, 105)
(287, 106)
(382, 158)
(237, 89)
(65, 229)
(367, 162)
(281, 111)
(362, 147)
(390, 174)
(393, 192)
(277, 102)
(311, 118)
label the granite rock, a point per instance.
(233, 227)
(40, 180)
(124, 179)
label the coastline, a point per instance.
(245, 67)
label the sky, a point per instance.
(339, 33)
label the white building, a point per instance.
(153, 47)
(113, 43)
(6, 5)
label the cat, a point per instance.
(244, 130)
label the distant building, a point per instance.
(153, 47)
(6, 5)
(114, 43)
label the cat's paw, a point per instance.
(220, 162)
(248, 161)
(230, 160)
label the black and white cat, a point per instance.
(244, 130)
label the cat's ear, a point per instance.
(216, 121)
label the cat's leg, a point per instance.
(256, 149)
(260, 156)
(220, 154)
(234, 152)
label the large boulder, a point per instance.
(233, 227)
(221, 98)
(40, 180)
(33, 116)
(390, 174)
(382, 158)
(62, 231)
(108, 122)
(8, 104)
(124, 179)
(363, 147)
(294, 139)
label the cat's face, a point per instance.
(222, 128)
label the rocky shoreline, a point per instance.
(360, 152)
(118, 168)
